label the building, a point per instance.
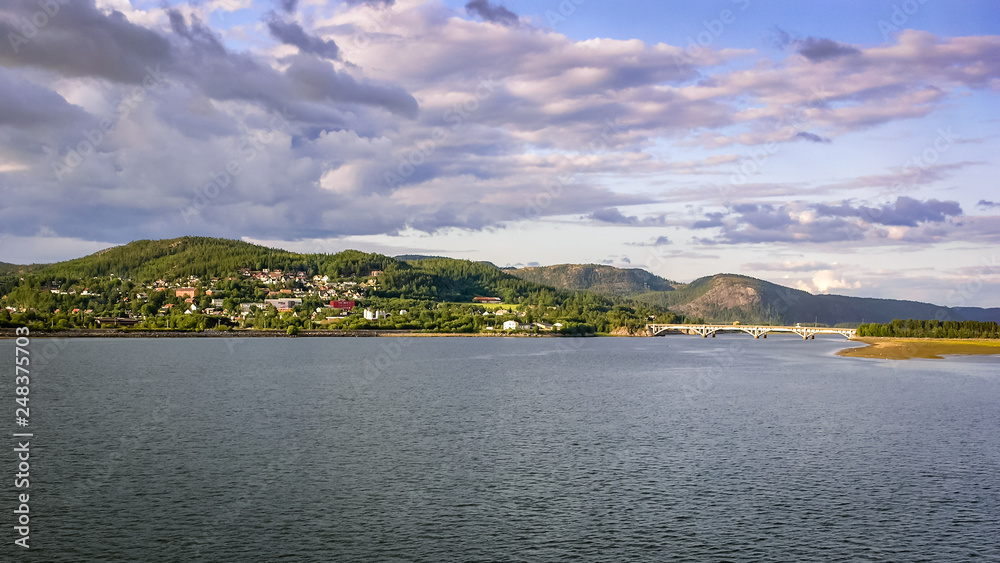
(487, 300)
(375, 315)
(185, 291)
(510, 325)
(342, 305)
(246, 306)
(284, 304)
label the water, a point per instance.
(486, 449)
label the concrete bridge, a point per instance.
(757, 331)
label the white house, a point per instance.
(510, 325)
(375, 315)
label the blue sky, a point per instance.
(838, 147)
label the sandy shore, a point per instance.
(930, 348)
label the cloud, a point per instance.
(712, 220)
(658, 241)
(614, 216)
(826, 280)
(492, 12)
(513, 124)
(291, 33)
(29, 106)
(289, 6)
(906, 211)
(905, 219)
(819, 50)
(984, 204)
(81, 41)
(812, 137)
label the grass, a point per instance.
(928, 348)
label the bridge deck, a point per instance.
(757, 331)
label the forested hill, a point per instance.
(195, 283)
(719, 298)
(606, 280)
(6, 269)
(429, 278)
(726, 298)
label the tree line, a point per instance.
(913, 328)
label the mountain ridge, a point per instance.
(729, 298)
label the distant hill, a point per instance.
(605, 280)
(9, 269)
(726, 298)
(979, 313)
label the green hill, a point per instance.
(420, 277)
(12, 269)
(605, 280)
(139, 279)
(602, 296)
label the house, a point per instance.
(342, 305)
(489, 300)
(217, 303)
(510, 325)
(246, 306)
(185, 292)
(544, 326)
(376, 273)
(375, 315)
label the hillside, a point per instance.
(197, 283)
(726, 298)
(605, 280)
(603, 296)
(11, 269)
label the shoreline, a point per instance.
(8, 333)
(892, 348)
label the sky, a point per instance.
(837, 147)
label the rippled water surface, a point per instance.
(488, 449)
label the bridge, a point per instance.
(757, 331)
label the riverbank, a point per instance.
(139, 333)
(927, 348)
